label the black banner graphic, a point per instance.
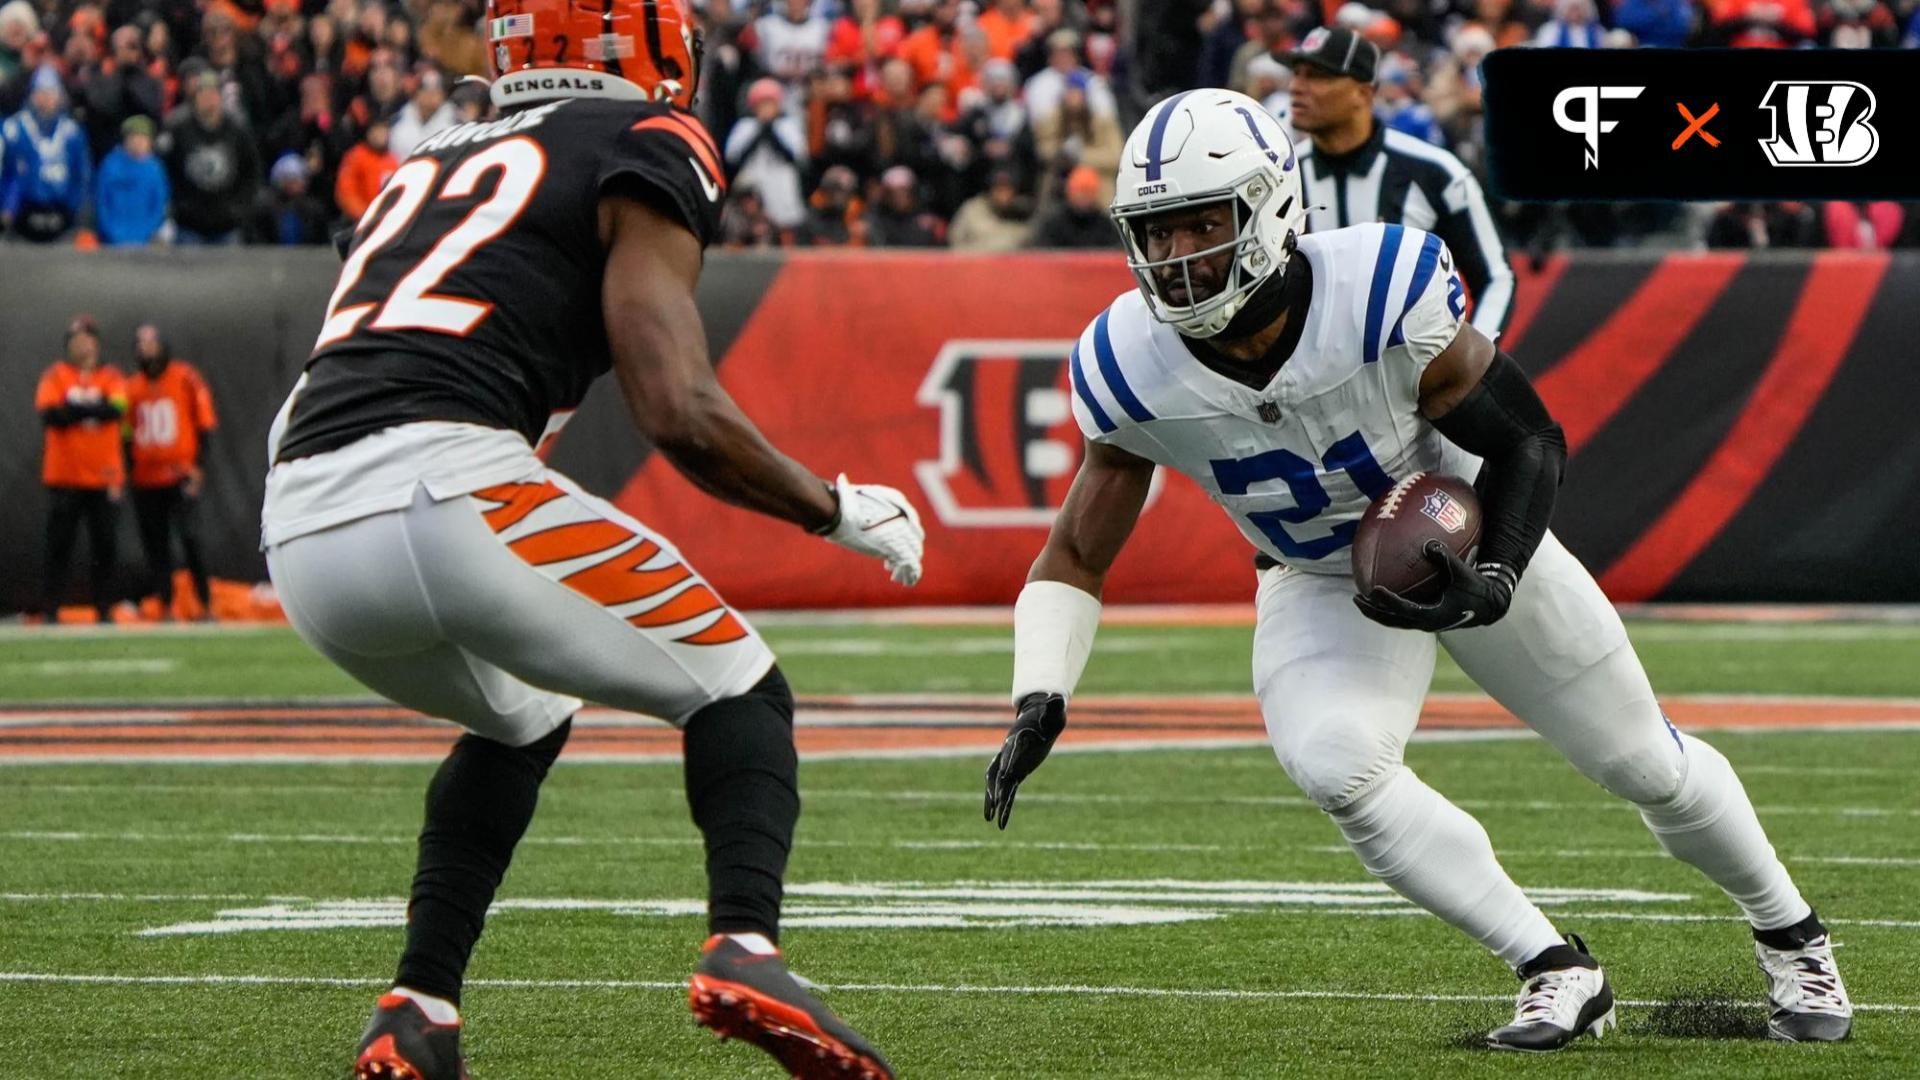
(1702, 124)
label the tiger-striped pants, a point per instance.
(502, 609)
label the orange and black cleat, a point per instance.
(401, 1043)
(744, 993)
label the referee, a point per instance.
(1357, 170)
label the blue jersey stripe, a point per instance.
(1422, 273)
(1110, 368)
(1158, 135)
(1100, 418)
(1377, 294)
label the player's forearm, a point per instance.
(714, 445)
(1061, 564)
(1504, 421)
(1095, 520)
(1053, 629)
(1055, 618)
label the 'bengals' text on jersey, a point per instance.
(471, 292)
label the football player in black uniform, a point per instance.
(418, 542)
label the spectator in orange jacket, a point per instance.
(1008, 24)
(363, 171)
(172, 412)
(81, 404)
(938, 52)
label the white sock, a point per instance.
(1436, 855)
(1710, 823)
(438, 1010)
(756, 944)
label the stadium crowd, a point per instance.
(979, 124)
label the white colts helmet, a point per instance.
(1201, 147)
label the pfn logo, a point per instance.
(1588, 125)
(1825, 123)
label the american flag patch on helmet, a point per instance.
(512, 26)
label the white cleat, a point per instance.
(1810, 1003)
(1565, 995)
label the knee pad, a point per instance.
(1335, 764)
(1645, 774)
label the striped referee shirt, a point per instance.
(1395, 177)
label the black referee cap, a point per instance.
(1338, 51)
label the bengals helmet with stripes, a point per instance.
(636, 50)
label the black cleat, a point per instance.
(1565, 995)
(400, 1043)
(748, 995)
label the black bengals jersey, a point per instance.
(471, 291)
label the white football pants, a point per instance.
(502, 609)
(1341, 694)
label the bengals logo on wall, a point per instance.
(1009, 445)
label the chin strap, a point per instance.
(1262, 307)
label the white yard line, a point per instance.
(200, 790)
(1636, 853)
(911, 795)
(350, 839)
(1566, 914)
(143, 898)
(983, 752)
(1056, 989)
(1147, 797)
(106, 665)
(1352, 893)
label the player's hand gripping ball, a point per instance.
(1390, 549)
(1411, 559)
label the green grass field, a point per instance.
(172, 920)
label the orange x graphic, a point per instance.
(1697, 125)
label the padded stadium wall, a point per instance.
(1741, 425)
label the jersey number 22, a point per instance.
(413, 305)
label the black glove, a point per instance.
(1041, 719)
(1472, 596)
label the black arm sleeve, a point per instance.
(61, 416)
(1504, 421)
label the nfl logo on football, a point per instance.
(1448, 513)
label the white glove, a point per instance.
(879, 521)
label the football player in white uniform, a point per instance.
(1296, 378)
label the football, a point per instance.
(1388, 549)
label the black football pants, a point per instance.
(67, 508)
(163, 513)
